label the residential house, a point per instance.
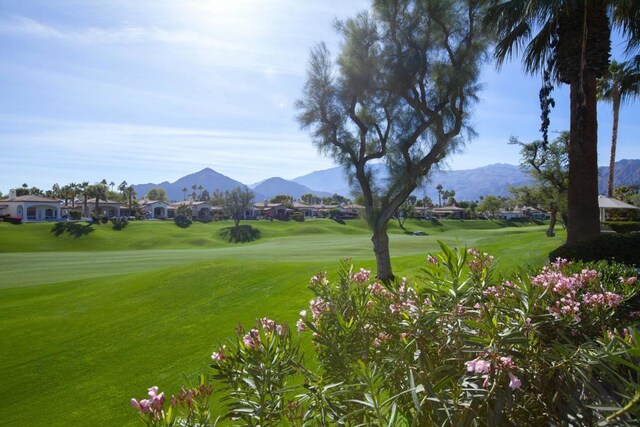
(31, 208)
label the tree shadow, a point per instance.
(240, 234)
(73, 228)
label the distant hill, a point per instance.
(332, 181)
(468, 184)
(273, 186)
(207, 177)
(627, 172)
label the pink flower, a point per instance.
(432, 260)
(153, 391)
(514, 382)
(252, 339)
(361, 276)
(479, 366)
(219, 355)
(300, 326)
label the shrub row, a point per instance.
(614, 247)
(623, 227)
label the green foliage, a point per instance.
(184, 210)
(75, 215)
(284, 199)
(624, 227)
(237, 202)
(456, 347)
(119, 223)
(614, 247)
(182, 221)
(158, 194)
(297, 216)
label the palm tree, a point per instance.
(570, 39)
(621, 83)
(439, 188)
(123, 187)
(84, 188)
(184, 191)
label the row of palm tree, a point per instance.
(570, 40)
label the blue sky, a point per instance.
(152, 90)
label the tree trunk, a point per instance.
(583, 213)
(614, 138)
(552, 223)
(380, 241)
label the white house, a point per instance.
(154, 209)
(31, 208)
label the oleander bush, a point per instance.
(182, 221)
(455, 347)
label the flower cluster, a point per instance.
(495, 363)
(319, 279)
(219, 355)
(361, 276)
(186, 397)
(152, 406)
(269, 327)
(252, 339)
(479, 261)
(603, 299)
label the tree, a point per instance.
(84, 188)
(236, 203)
(490, 205)
(310, 199)
(398, 94)
(621, 83)
(569, 42)
(157, 193)
(548, 166)
(217, 198)
(406, 210)
(439, 188)
(184, 192)
(98, 191)
(284, 199)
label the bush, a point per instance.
(119, 223)
(613, 247)
(75, 215)
(623, 227)
(182, 221)
(456, 347)
(15, 220)
(297, 216)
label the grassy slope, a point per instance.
(74, 352)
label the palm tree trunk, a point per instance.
(583, 214)
(614, 138)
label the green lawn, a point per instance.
(88, 323)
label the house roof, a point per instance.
(32, 198)
(611, 203)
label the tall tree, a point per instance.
(184, 192)
(440, 189)
(236, 203)
(548, 166)
(621, 83)
(157, 193)
(570, 39)
(399, 94)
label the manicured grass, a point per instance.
(88, 323)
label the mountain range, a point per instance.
(468, 184)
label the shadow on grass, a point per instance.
(338, 220)
(240, 234)
(73, 228)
